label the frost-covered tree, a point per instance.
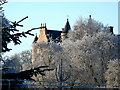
(91, 55)
(85, 27)
(51, 54)
(112, 74)
(19, 60)
(25, 56)
(13, 65)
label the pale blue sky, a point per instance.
(54, 14)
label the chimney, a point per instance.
(42, 37)
(62, 29)
(110, 28)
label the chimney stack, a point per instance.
(42, 37)
(110, 28)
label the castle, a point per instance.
(47, 35)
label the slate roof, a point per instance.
(54, 34)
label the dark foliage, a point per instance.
(3, 2)
(17, 78)
(8, 37)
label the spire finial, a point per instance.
(41, 24)
(90, 16)
(45, 24)
(67, 17)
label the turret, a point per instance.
(65, 30)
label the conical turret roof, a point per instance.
(35, 39)
(67, 27)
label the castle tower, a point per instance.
(65, 30)
(42, 37)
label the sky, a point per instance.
(55, 15)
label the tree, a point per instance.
(85, 27)
(112, 74)
(13, 65)
(26, 56)
(9, 30)
(22, 58)
(51, 54)
(3, 2)
(7, 37)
